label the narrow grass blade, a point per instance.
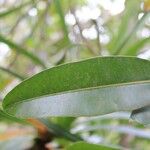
(23, 51)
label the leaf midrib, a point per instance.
(76, 90)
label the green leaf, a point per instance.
(23, 51)
(130, 35)
(88, 146)
(12, 10)
(142, 115)
(62, 19)
(5, 116)
(64, 122)
(59, 131)
(133, 49)
(127, 18)
(91, 87)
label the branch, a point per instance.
(84, 40)
(98, 36)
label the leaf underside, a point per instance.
(90, 87)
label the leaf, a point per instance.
(23, 51)
(91, 87)
(40, 124)
(130, 35)
(88, 146)
(142, 115)
(62, 19)
(59, 131)
(97, 119)
(64, 122)
(127, 19)
(116, 128)
(7, 117)
(12, 10)
(133, 49)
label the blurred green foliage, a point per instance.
(35, 35)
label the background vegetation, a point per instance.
(35, 35)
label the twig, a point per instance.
(13, 61)
(36, 25)
(98, 36)
(84, 40)
(13, 30)
(43, 23)
(18, 21)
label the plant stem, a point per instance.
(84, 40)
(59, 131)
(23, 51)
(12, 73)
(98, 36)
